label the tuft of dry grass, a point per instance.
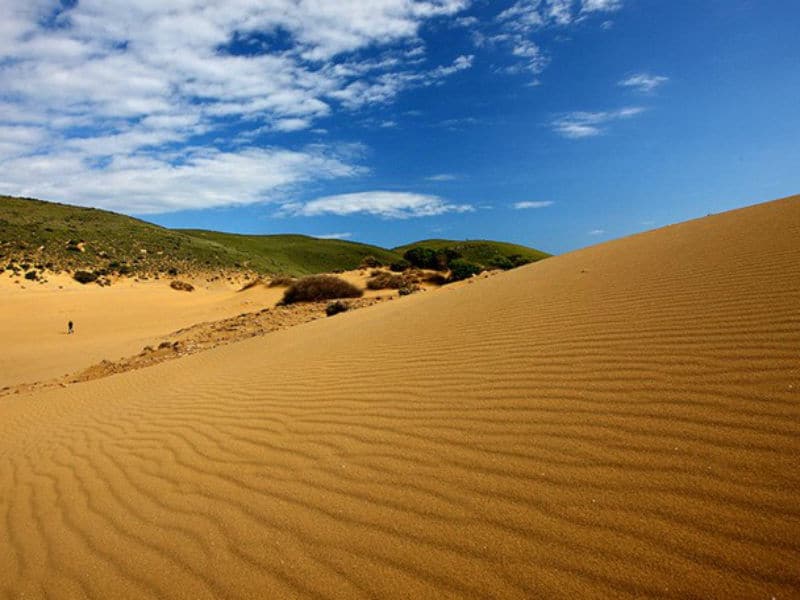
(181, 286)
(385, 281)
(320, 287)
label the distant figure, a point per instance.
(70, 328)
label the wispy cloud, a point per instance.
(588, 6)
(576, 125)
(596, 232)
(335, 236)
(536, 204)
(644, 82)
(523, 19)
(442, 177)
(388, 205)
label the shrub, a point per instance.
(400, 265)
(320, 287)
(181, 286)
(518, 260)
(334, 308)
(408, 289)
(369, 262)
(384, 281)
(172, 271)
(501, 262)
(436, 279)
(463, 269)
(31, 275)
(84, 277)
(124, 270)
(424, 258)
(281, 281)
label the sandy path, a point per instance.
(623, 421)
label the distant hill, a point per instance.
(64, 237)
(296, 254)
(486, 253)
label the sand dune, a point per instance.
(112, 322)
(622, 421)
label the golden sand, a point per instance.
(621, 421)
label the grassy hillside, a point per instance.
(296, 254)
(70, 237)
(40, 234)
(486, 253)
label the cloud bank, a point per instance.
(150, 107)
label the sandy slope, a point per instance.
(111, 322)
(623, 421)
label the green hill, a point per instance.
(38, 234)
(296, 254)
(486, 253)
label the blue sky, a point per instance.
(553, 123)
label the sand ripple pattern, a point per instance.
(622, 421)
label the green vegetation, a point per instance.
(295, 254)
(486, 253)
(463, 269)
(74, 238)
(62, 237)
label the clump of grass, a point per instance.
(320, 287)
(369, 262)
(409, 289)
(336, 307)
(386, 281)
(84, 277)
(181, 286)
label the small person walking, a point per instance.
(70, 328)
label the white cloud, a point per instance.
(194, 179)
(577, 125)
(335, 236)
(442, 177)
(597, 232)
(537, 204)
(589, 6)
(294, 124)
(144, 83)
(388, 205)
(644, 82)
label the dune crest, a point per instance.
(622, 421)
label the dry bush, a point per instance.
(369, 262)
(336, 307)
(84, 276)
(385, 281)
(408, 289)
(181, 286)
(320, 287)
